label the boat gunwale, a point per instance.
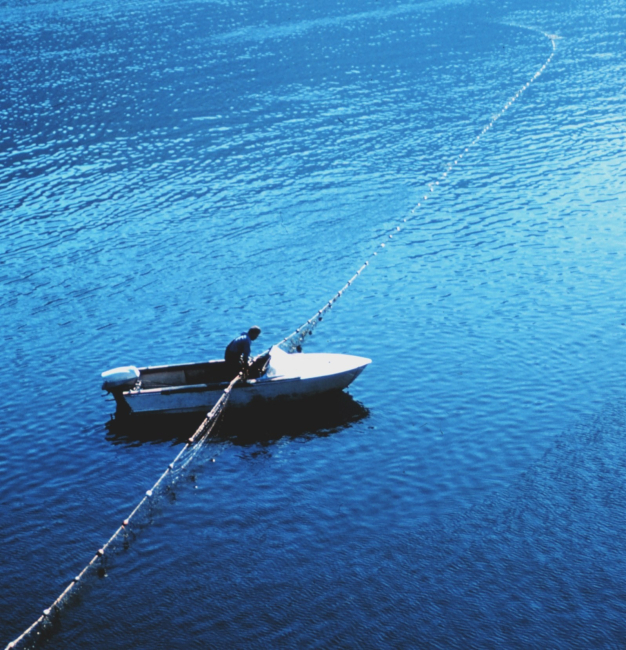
(180, 366)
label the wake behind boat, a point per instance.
(196, 387)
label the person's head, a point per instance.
(254, 332)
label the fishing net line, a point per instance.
(121, 539)
(144, 510)
(295, 341)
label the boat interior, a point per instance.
(191, 374)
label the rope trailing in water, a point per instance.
(291, 343)
(182, 459)
(295, 341)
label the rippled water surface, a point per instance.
(173, 172)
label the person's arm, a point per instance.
(246, 351)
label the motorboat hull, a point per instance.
(288, 377)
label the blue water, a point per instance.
(174, 172)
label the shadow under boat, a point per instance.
(260, 423)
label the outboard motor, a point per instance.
(120, 379)
(116, 381)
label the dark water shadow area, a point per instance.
(313, 417)
(538, 564)
(262, 423)
(151, 429)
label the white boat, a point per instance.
(196, 387)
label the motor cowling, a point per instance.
(122, 378)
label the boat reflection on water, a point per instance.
(263, 423)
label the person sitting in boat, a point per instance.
(237, 355)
